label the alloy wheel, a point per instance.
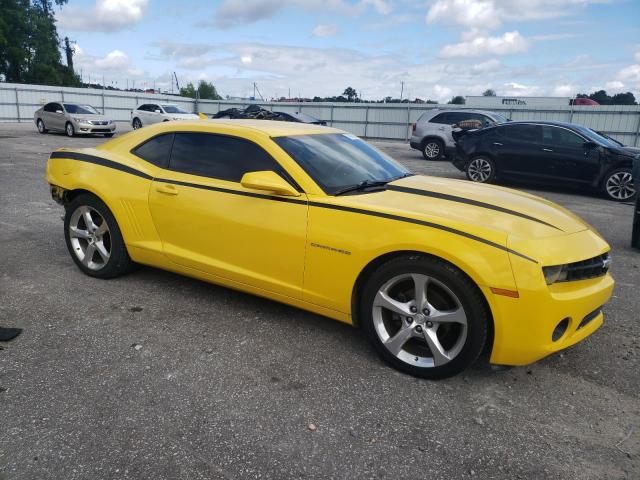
(432, 150)
(40, 126)
(479, 170)
(620, 186)
(90, 237)
(419, 320)
(136, 124)
(69, 129)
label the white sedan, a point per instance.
(149, 113)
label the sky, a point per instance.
(438, 48)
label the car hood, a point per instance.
(496, 211)
(94, 118)
(631, 150)
(185, 116)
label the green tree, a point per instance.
(205, 91)
(601, 97)
(29, 44)
(489, 92)
(350, 93)
(627, 98)
(457, 100)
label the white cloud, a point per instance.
(486, 67)
(637, 56)
(104, 16)
(508, 43)
(115, 60)
(325, 30)
(565, 90)
(232, 13)
(490, 14)
(514, 89)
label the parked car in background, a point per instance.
(546, 153)
(431, 134)
(73, 119)
(300, 118)
(256, 112)
(149, 113)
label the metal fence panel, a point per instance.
(373, 120)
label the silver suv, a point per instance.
(432, 132)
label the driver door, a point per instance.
(208, 221)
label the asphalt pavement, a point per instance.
(158, 376)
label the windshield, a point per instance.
(173, 109)
(340, 160)
(499, 118)
(594, 137)
(619, 144)
(81, 109)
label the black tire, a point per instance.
(108, 135)
(41, 128)
(69, 129)
(433, 149)
(618, 185)
(136, 123)
(480, 169)
(119, 261)
(468, 295)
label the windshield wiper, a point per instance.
(365, 184)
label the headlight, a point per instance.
(555, 273)
(84, 120)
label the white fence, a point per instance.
(373, 120)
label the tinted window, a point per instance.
(218, 156)
(444, 118)
(144, 108)
(525, 133)
(80, 109)
(336, 161)
(50, 107)
(561, 136)
(156, 150)
(173, 109)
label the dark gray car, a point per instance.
(73, 119)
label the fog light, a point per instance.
(558, 332)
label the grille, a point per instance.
(590, 268)
(99, 122)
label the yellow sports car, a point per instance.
(433, 270)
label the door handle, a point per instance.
(547, 150)
(497, 143)
(167, 189)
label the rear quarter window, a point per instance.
(156, 150)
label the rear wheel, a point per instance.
(94, 239)
(136, 124)
(69, 130)
(41, 127)
(618, 185)
(433, 149)
(481, 169)
(424, 316)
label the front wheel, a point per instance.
(424, 316)
(136, 124)
(70, 131)
(93, 238)
(41, 127)
(618, 185)
(481, 169)
(433, 149)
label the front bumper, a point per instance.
(84, 128)
(528, 328)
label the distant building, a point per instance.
(493, 102)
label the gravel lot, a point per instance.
(156, 376)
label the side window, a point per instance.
(522, 132)
(156, 150)
(143, 108)
(153, 108)
(561, 136)
(49, 107)
(444, 118)
(218, 156)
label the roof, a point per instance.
(544, 122)
(271, 127)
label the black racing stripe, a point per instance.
(123, 168)
(100, 161)
(231, 191)
(475, 203)
(423, 223)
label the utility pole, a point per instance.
(401, 90)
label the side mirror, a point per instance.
(268, 181)
(59, 111)
(158, 111)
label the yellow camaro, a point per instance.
(433, 270)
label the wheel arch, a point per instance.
(366, 272)
(426, 138)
